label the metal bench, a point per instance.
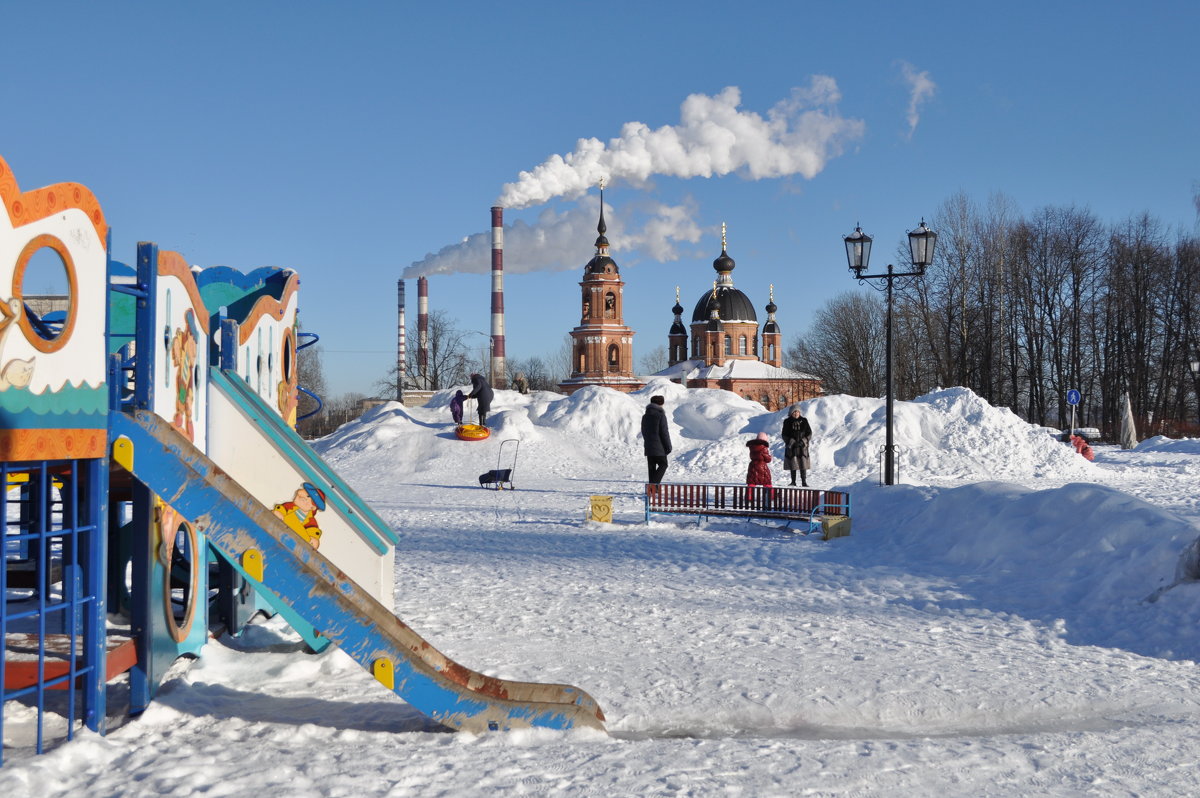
(816, 509)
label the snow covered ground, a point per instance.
(1012, 620)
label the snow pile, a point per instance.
(943, 436)
(1086, 559)
(1160, 443)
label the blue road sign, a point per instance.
(1073, 397)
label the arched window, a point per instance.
(610, 305)
(614, 358)
(770, 351)
(766, 401)
(741, 344)
(728, 345)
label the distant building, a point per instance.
(722, 346)
(602, 346)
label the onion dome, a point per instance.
(730, 303)
(601, 263)
(677, 327)
(770, 325)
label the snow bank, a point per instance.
(946, 435)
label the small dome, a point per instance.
(677, 309)
(677, 328)
(771, 307)
(601, 264)
(724, 263)
(732, 305)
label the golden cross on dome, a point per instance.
(772, 291)
(714, 294)
(722, 236)
(677, 293)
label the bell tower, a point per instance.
(602, 346)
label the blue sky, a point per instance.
(358, 141)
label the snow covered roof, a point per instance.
(733, 369)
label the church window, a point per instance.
(610, 305)
(614, 358)
(741, 344)
(728, 345)
(770, 351)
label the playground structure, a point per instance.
(156, 491)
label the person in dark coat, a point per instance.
(759, 472)
(482, 393)
(657, 437)
(796, 434)
(456, 406)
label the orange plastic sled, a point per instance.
(471, 432)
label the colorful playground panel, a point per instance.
(152, 471)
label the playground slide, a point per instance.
(276, 560)
(250, 442)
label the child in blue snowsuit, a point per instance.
(456, 406)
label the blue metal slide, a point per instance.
(275, 560)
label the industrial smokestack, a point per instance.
(423, 330)
(401, 352)
(499, 380)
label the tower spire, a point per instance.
(601, 228)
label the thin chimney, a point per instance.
(499, 379)
(401, 352)
(423, 330)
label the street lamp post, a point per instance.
(491, 369)
(1195, 367)
(858, 254)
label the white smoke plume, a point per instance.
(921, 88)
(799, 135)
(562, 241)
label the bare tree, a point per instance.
(844, 345)
(654, 361)
(561, 363)
(450, 358)
(537, 374)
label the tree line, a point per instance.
(1022, 308)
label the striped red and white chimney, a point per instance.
(423, 330)
(401, 351)
(499, 379)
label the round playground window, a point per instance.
(44, 293)
(182, 577)
(288, 355)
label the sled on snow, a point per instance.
(471, 432)
(500, 477)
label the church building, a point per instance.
(722, 347)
